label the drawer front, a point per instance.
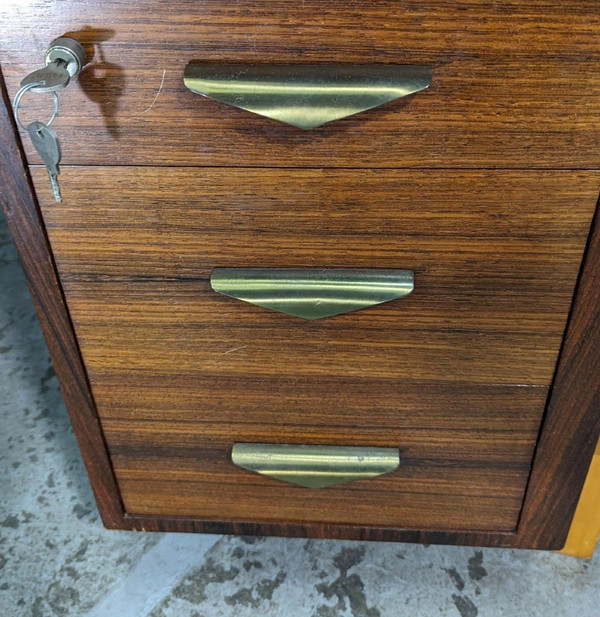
(465, 452)
(495, 257)
(454, 375)
(506, 76)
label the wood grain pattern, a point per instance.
(26, 227)
(551, 491)
(514, 83)
(572, 424)
(334, 531)
(181, 373)
(465, 450)
(493, 287)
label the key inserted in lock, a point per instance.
(64, 59)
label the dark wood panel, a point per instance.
(465, 450)
(323, 401)
(27, 230)
(307, 350)
(381, 506)
(572, 424)
(514, 83)
(466, 447)
(493, 286)
(326, 530)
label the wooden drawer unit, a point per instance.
(513, 84)
(465, 411)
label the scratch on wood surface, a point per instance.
(162, 83)
(234, 349)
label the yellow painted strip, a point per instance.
(585, 528)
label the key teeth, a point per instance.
(55, 187)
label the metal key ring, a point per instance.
(19, 96)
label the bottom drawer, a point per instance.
(465, 451)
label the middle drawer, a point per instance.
(495, 257)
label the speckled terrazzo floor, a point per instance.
(56, 559)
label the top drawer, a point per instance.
(513, 83)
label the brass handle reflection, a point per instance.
(305, 96)
(315, 466)
(312, 293)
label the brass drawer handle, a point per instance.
(315, 466)
(312, 293)
(305, 95)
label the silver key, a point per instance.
(54, 76)
(47, 145)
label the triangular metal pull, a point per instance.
(305, 95)
(315, 466)
(312, 293)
